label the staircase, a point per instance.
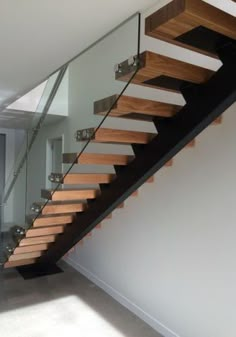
(71, 213)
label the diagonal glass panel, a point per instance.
(21, 133)
(61, 140)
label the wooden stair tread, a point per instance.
(12, 264)
(105, 135)
(88, 178)
(58, 207)
(163, 72)
(37, 240)
(50, 220)
(97, 159)
(187, 23)
(33, 232)
(32, 248)
(68, 194)
(25, 256)
(134, 108)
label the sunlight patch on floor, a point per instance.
(62, 317)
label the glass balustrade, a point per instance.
(59, 163)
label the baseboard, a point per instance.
(153, 322)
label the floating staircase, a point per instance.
(71, 211)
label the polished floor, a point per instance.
(62, 305)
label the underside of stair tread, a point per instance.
(50, 220)
(105, 135)
(97, 159)
(163, 72)
(134, 108)
(12, 264)
(37, 240)
(66, 194)
(192, 24)
(88, 178)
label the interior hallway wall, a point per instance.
(169, 254)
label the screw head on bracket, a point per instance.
(18, 231)
(9, 249)
(118, 68)
(133, 61)
(51, 178)
(58, 178)
(35, 208)
(84, 135)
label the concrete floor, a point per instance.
(62, 305)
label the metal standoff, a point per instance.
(9, 249)
(35, 208)
(118, 68)
(133, 61)
(18, 232)
(85, 134)
(51, 178)
(55, 177)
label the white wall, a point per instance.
(169, 254)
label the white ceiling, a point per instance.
(20, 119)
(37, 37)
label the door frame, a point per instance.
(49, 150)
(2, 176)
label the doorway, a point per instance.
(2, 172)
(54, 158)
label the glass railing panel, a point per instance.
(42, 141)
(19, 145)
(90, 78)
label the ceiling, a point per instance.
(37, 37)
(20, 119)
